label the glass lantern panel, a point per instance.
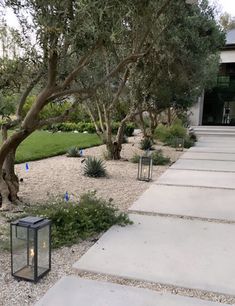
(43, 250)
(22, 252)
(145, 171)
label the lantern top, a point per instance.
(34, 222)
(30, 220)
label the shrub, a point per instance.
(146, 144)
(94, 167)
(159, 159)
(73, 152)
(177, 130)
(167, 134)
(135, 158)
(129, 129)
(188, 142)
(74, 221)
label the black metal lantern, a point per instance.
(179, 144)
(30, 248)
(145, 169)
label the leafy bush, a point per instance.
(188, 142)
(129, 129)
(74, 221)
(94, 167)
(167, 134)
(177, 130)
(88, 127)
(146, 144)
(71, 126)
(162, 132)
(73, 152)
(159, 159)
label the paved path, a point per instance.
(74, 291)
(164, 247)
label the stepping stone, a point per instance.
(212, 149)
(217, 144)
(198, 178)
(187, 201)
(208, 156)
(187, 253)
(74, 291)
(204, 165)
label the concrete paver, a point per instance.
(204, 165)
(188, 253)
(213, 149)
(198, 178)
(187, 201)
(208, 156)
(74, 291)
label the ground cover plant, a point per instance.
(42, 144)
(72, 221)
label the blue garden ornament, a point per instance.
(27, 167)
(66, 196)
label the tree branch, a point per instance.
(84, 60)
(25, 95)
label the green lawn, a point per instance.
(42, 144)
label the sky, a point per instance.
(226, 6)
(223, 5)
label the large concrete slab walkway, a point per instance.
(198, 178)
(204, 165)
(74, 291)
(188, 201)
(185, 253)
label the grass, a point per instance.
(42, 144)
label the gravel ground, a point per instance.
(53, 177)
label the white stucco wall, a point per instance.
(196, 112)
(227, 56)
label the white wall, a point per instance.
(196, 112)
(227, 56)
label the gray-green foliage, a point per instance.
(158, 158)
(72, 221)
(94, 167)
(146, 144)
(73, 152)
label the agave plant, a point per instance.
(94, 167)
(73, 152)
(146, 144)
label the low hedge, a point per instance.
(88, 127)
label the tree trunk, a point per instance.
(9, 184)
(114, 148)
(10, 177)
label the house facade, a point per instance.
(217, 106)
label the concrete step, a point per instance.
(225, 131)
(187, 201)
(75, 291)
(185, 253)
